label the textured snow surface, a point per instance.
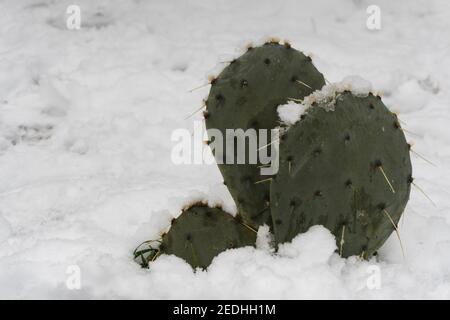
(85, 140)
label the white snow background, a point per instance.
(86, 118)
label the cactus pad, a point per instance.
(246, 95)
(334, 171)
(198, 235)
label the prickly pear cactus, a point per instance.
(246, 95)
(199, 234)
(348, 170)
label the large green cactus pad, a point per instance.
(332, 172)
(246, 95)
(200, 233)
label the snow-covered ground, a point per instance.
(86, 118)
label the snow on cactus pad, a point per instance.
(345, 165)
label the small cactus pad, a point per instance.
(348, 170)
(246, 95)
(200, 233)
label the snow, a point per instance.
(86, 118)
(290, 112)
